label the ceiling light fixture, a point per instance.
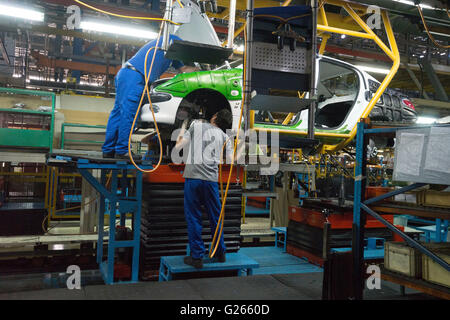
(425, 120)
(19, 12)
(440, 34)
(118, 29)
(411, 3)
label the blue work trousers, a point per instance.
(197, 193)
(129, 86)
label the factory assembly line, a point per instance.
(330, 183)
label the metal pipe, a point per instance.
(342, 186)
(314, 68)
(167, 15)
(248, 64)
(345, 31)
(231, 23)
(358, 223)
(323, 44)
(395, 192)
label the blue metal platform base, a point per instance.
(278, 231)
(235, 261)
(118, 199)
(250, 210)
(373, 250)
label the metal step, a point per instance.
(164, 228)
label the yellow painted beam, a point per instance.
(323, 44)
(242, 4)
(331, 19)
(288, 118)
(340, 3)
(395, 56)
(345, 31)
(323, 16)
(224, 16)
(368, 30)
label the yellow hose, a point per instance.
(147, 77)
(428, 31)
(123, 16)
(215, 243)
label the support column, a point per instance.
(314, 69)
(358, 214)
(231, 22)
(248, 69)
(416, 81)
(441, 94)
(89, 207)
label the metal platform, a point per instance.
(111, 194)
(90, 160)
(280, 276)
(235, 261)
(30, 157)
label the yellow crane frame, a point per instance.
(355, 11)
(368, 33)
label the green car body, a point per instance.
(344, 90)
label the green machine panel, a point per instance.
(27, 118)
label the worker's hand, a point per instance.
(187, 69)
(185, 124)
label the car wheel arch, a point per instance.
(208, 99)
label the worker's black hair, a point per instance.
(224, 119)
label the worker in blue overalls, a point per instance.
(129, 83)
(204, 141)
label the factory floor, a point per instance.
(279, 277)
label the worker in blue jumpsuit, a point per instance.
(129, 83)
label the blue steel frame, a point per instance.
(440, 228)
(360, 205)
(125, 204)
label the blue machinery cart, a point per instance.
(111, 192)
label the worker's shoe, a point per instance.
(109, 155)
(127, 157)
(220, 257)
(195, 262)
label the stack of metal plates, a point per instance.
(310, 238)
(164, 228)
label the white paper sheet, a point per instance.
(438, 150)
(409, 153)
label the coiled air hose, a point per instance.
(216, 240)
